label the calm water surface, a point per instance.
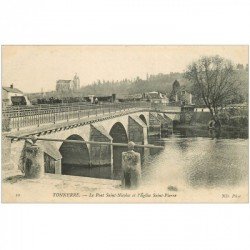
(199, 159)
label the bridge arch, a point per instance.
(119, 135)
(75, 157)
(143, 118)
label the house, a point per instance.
(156, 97)
(185, 97)
(13, 96)
(65, 86)
(180, 96)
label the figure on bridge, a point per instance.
(131, 167)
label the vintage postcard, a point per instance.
(125, 124)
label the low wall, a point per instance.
(190, 117)
(201, 117)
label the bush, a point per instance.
(238, 121)
(244, 121)
(233, 118)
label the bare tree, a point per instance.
(214, 81)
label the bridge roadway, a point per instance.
(19, 117)
(64, 124)
(99, 161)
(16, 118)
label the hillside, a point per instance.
(160, 82)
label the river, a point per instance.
(198, 159)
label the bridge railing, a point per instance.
(19, 117)
(83, 105)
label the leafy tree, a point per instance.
(214, 81)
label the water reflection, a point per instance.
(198, 158)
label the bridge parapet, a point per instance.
(17, 118)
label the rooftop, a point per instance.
(63, 81)
(155, 95)
(12, 90)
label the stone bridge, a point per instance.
(91, 160)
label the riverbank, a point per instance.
(201, 129)
(205, 126)
(235, 120)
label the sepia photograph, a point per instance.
(125, 124)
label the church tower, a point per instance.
(76, 82)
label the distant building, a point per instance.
(100, 98)
(13, 96)
(156, 97)
(66, 86)
(185, 97)
(179, 95)
(76, 82)
(63, 85)
(125, 97)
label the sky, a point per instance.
(33, 68)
